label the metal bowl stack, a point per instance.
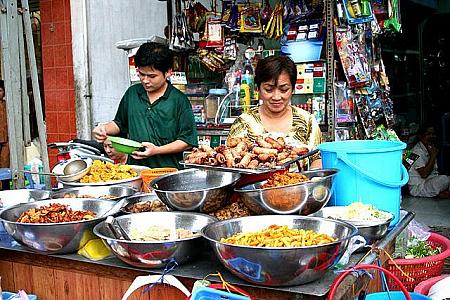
(277, 266)
(195, 189)
(371, 231)
(156, 254)
(54, 238)
(303, 198)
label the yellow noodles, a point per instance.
(279, 236)
(106, 171)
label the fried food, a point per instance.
(54, 213)
(145, 206)
(159, 233)
(242, 153)
(73, 195)
(282, 179)
(234, 210)
(279, 236)
(105, 171)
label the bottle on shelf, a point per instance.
(235, 103)
(245, 96)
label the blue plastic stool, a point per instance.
(12, 296)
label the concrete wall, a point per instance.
(106, 23)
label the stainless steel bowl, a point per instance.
(279, 266)
(12, 197)
(105, 192)
(147, 197)
(303, 198)
(156, 254)
(134, 182)
(371, 231)
(54, 238)
(195, 189)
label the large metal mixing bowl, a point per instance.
(12, 197)
(156, 254)
(105, 192)
(195, 189)
(303, 198)
(134, 182)
(54, 238)
(276, 266)
(371, 231)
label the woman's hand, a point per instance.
(150, 150)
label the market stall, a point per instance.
(247, 206)
(184, 199)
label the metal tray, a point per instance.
(248, 171)
(235, 170)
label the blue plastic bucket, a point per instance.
(371, 172)
(395, 295)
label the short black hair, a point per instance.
(154, 55)
(270, 68)
(2, 84)
(423, 128)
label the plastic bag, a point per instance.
(414, 232)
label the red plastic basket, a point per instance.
(424, 287)
(420, 269)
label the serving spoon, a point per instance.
(71, 168)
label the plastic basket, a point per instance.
(420, 269)
(206, 293)
(149, 175)
(379, 296)
(424, 287)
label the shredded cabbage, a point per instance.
(362, 212)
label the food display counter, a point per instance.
(74, 277)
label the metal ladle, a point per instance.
(71, 168)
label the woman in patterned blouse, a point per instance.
(275, 79)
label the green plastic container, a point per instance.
(124, 145)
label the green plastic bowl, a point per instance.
(124, 145)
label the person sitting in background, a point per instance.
(424, 178)
(118, 157)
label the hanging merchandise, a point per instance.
(393, 22)
(230, 48)
(230, 15)
(213, 60)
(352, 52)
(250, 18)
(196, 16)
(181, 37)
(358, 11)
(214, 34)
(266, 12)
(365, 115)
(344, 103)
(274, 28)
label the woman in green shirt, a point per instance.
(153, 112)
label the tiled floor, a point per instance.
(429, 211)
